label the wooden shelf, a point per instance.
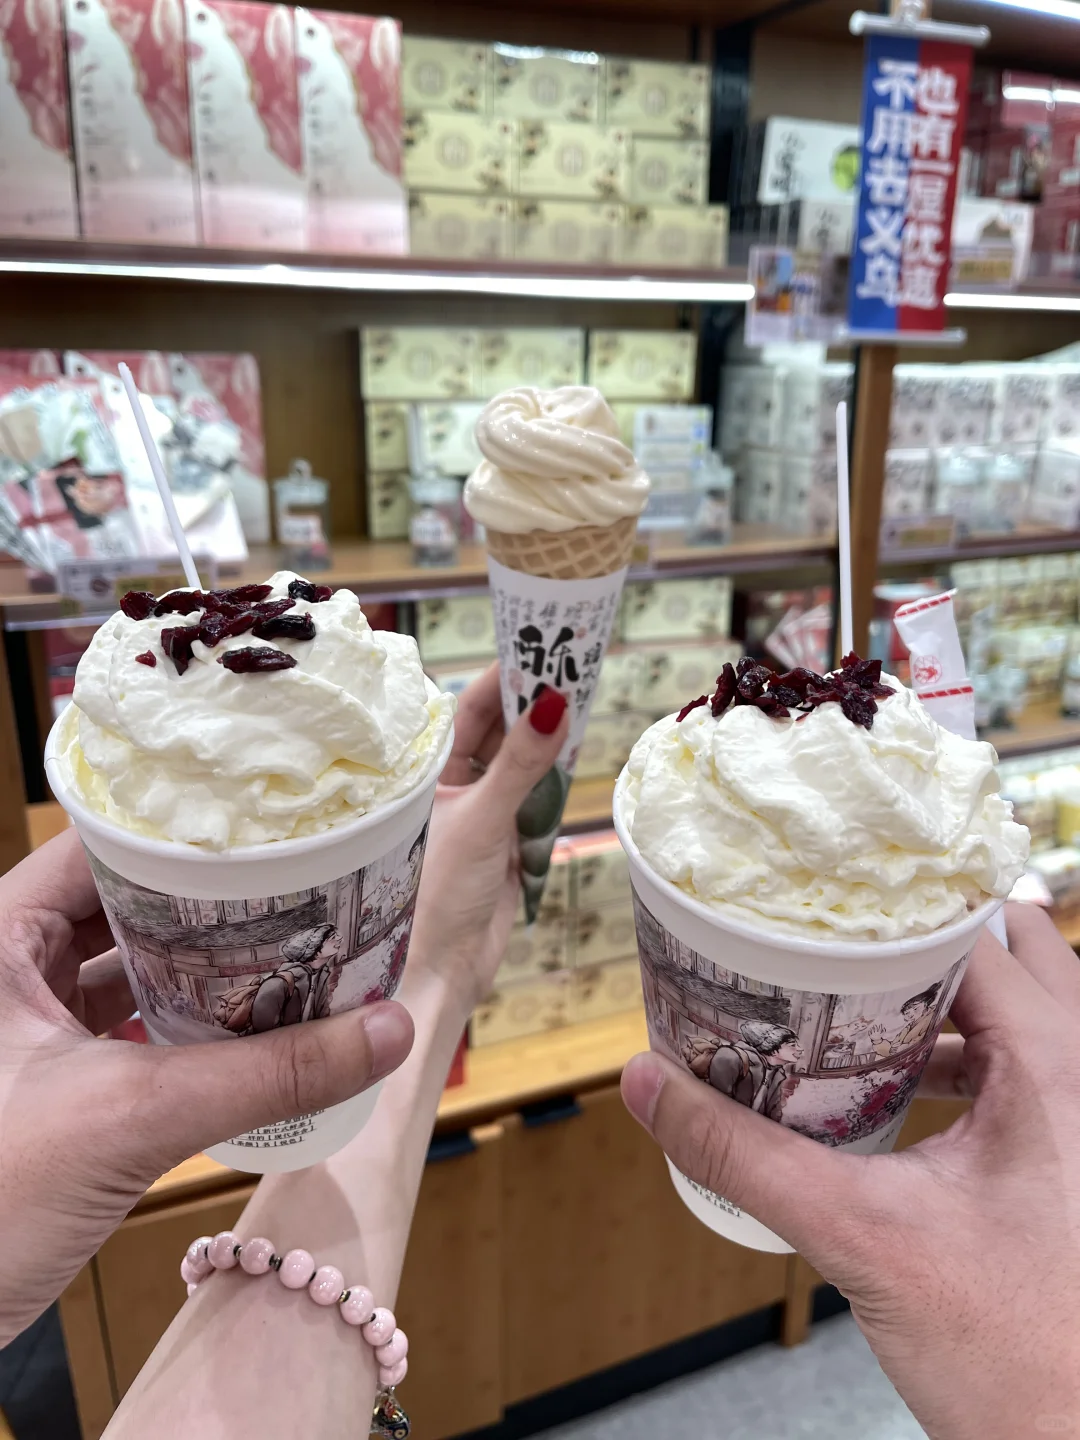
(1041, 728)
(1028, 540)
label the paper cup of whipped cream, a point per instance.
(807, 889)
(254, 806)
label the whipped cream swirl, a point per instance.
(816, 826)
(215, 758)
(553, 461)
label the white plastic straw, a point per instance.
(179, 538)
(843, 525)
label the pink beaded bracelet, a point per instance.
(326, 1285)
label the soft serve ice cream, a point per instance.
(238, 717)
(831, 806)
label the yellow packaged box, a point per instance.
(657, 97)
(464, 153)
(459, 227)
(528, 1008)
(598, 991)
(568, 231)
(419, 362)
(677, 610)
(458, 627)
(625, 412)
(668, 172)
(388, 505)
(601, 875)
(532, 355)
(680, 237)
(385, 444)
(537, 950)
(620, 683)
(442, 437)
(562, 161)
(445, 75)
(531, 83)
(601, 934)
(672, 675)
(607, 743)
(643, 364)
(455, 678)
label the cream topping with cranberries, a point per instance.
(301, 719)
(817, 823)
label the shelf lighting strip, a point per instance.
(1010, 300)
(543, 287)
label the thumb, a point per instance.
(806, 1193)
(528, 752)
(199, 1095)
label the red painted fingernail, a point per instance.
(547, 711)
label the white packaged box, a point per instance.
(386, 443)
(559, 160)
(245, 119)
(965, 405)
(465, 153)
(825, 226)
(419, 362)
(1055, 492)
(694, 609)
(37, 174)
(129, 99)
(681, 237)
(460, 627)
(808, 408)
(668, 172)
(1022, 399)
(442, 437)
(760, 487)
(672, 437)
(736, 399)
(765, 419)
(907, 484)
(531, 83)
(608, 741)
(388, 505)
(538, 355)
(459, 227)
(643, 364)
(913, 414)
(450, 75)
(350, 114)
(657, 97)
(807, 160)
(1063, 421)
(572, 232)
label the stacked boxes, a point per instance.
(600, 161)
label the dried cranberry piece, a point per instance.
(686, 709)
(864, 673)
(785, 694)
(288, 627)
(253, 658)
(859, 709)
(305, 590)
(752, 681)
(267, 609)
(726, 683)
(798, 680)
(181, 602)
(217, 625)
(147, 658)
(137, 604)
(176, 643)
(769, 705)
(882, 692)
(242, 594)
(746, 663)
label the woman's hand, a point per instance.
(960, 1255)
(87, 1124)
(471, 879)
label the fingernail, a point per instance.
(642, 1080)
(547, 710)
(389, 1030)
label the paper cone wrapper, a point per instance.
(825, 1037)
(218, 945)
(552, 631)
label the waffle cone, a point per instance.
(580, 554)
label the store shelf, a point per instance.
(1041, 728)
(1028, 540)
(396, 275)
(1069, 926)
(382, 570)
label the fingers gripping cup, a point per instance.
(812, 859)
(255, 816)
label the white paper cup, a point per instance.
(236, 942)
(827, 1037)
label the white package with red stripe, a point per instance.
(938, 672)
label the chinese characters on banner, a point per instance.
(914, 109)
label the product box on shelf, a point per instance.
(672, 674)
(531, 83)
(350, 113)
(766, 413)
(759, 490)
(913, 414)
(528, 1008)
(668, 172)
(672, 437)
(601, 933)
(600, 873)
(459, 227)
(129, 104)
(736, 398)
(531, 355)
(619, 685)
(1063, 420)
(643, 364)
(460, 627)
(1023, 395)
(598, 991)
(608, 741)
(386, 444)
(419, 362)
(388, 504)
(1055, 491)
(446, 75)
(808, 408)
(991, 240)
(533, 951)
(965, 405)
(696, 609)
(570, 232)
(656, 97)
(466, 153)
(37, 173)
(801, 160)
(442, 439)
(692, 237)
(245, 119)
(559, 160)
(456, 677)
(907, 484)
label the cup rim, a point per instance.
(782, 940)
(93, 822)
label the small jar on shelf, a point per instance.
(301, 516)
(435, 526)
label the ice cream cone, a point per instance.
(578, 554)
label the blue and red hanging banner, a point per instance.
(915, 96)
